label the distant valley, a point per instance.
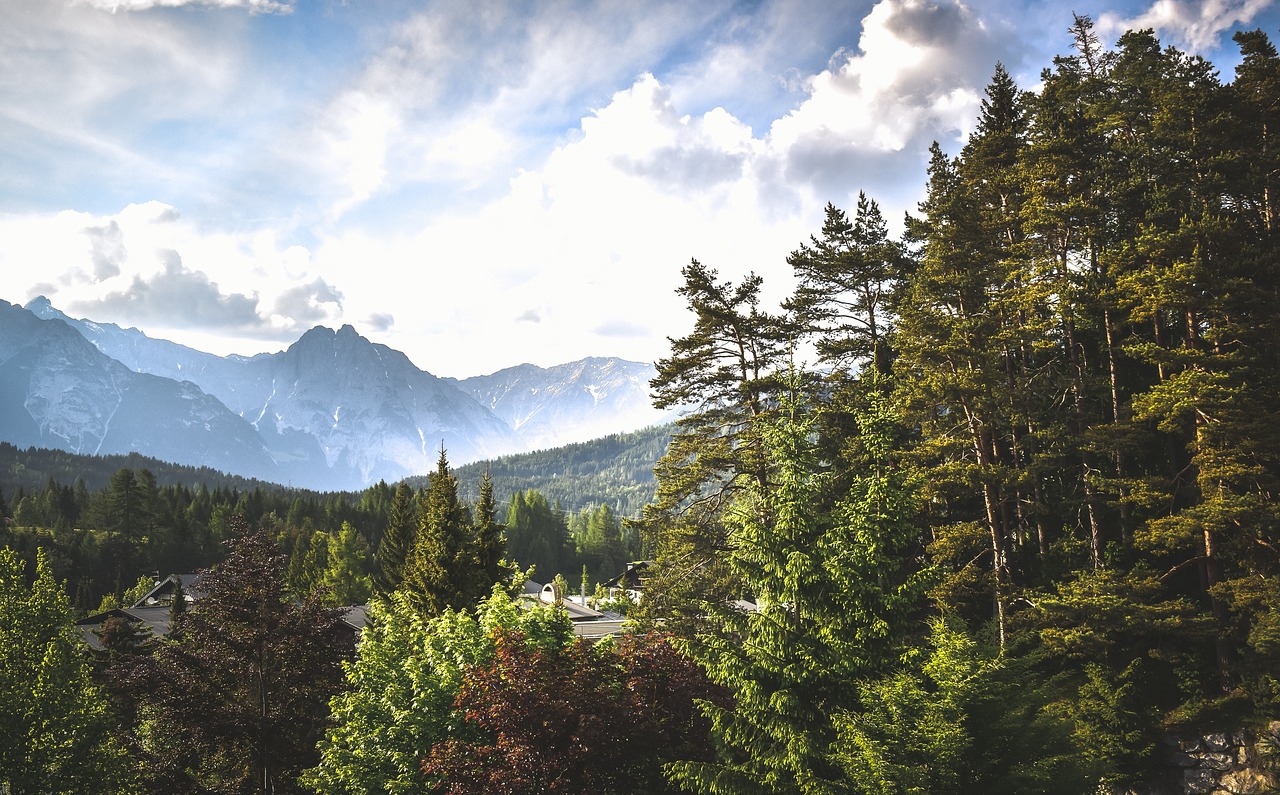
(333, 411)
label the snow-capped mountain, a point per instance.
(59, 391)
(336, 411)
(572, 402)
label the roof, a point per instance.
(632, 578)
(154, 619)
(153, 610)
(163, 591)
(356, 616)
(598, 629)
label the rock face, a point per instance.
(1215, 764)
(334, 410)
(59, 391)
(370, 412)
(572, 402)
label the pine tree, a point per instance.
(438, 571)
(834, 596)
(844, 284)
(724, 372)
(398, 540)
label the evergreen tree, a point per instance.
(488, 551)
(724, 373)
(537, 534)
(844, 284)
(834, 596)
(438, 572)
(397, 540)
(346, 579)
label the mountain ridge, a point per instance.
(335, 410)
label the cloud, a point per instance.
(1196, 25)
(461, 97)
(253, 6)
(106, 250)
(176, 298)
(618, 327)
(918, 77)
(307, 304)
(380, 322)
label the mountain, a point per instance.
(372, 414)
(336, 411)
(59, 391)
(572, 402)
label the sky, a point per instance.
(484, 184)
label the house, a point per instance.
(588, 622)
(631, 580)
(153, 611)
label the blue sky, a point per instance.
(481, 184)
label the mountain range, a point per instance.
(333, 411)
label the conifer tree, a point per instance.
(834, 595)
(844, 285)
(345, 580)
(488, 548)
(725, 373)
(438, 571)
(397, 541)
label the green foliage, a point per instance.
(397, 541)
(55, 726)
(403, 684)
(615, 470)
(346, 579)
(834, 593)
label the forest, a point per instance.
(1001, 492)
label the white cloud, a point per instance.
(147, 266)
(1193, 24)
(574, 249)
(254, 6)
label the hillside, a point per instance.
(615, 470)
(31, 468)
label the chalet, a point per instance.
(588, 622)
(152, 612)
(631, 581)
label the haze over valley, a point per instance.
(333, 410)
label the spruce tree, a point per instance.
(397, 542)
(438, 571)
(834, 596)
(489, 546)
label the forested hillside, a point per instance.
(615, 470)
(109, 520)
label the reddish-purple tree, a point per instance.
(576, 719)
